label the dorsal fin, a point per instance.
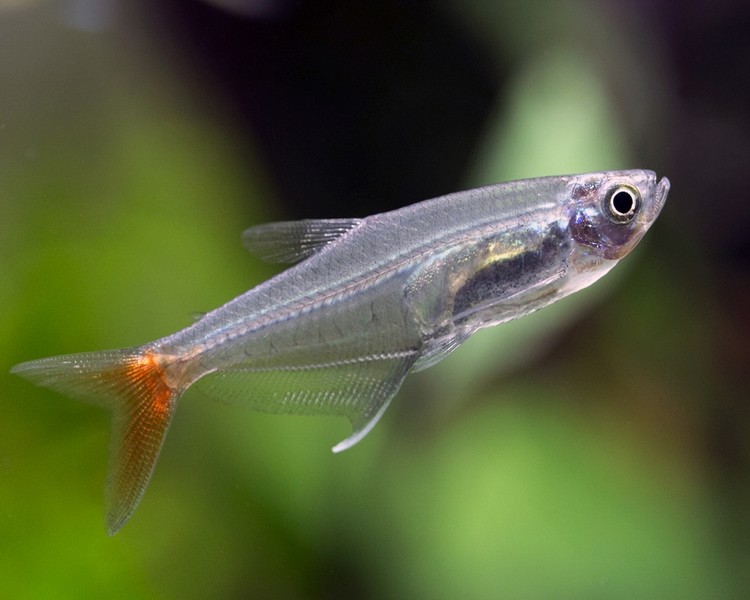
(293, 241)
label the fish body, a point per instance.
(368, 301)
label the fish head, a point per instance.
(610, 212)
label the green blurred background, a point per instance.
(597, 449)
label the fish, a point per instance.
(363, 303)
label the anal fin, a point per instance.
(359, 389)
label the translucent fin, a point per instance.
(293, 241)
(131, 383)
(359, 389)
(440, 350)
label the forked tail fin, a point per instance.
(132, 383)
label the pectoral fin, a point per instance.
(359, 389)
(293, 241)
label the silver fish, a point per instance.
(369, 301)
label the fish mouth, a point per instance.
(662, 188)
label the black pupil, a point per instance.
(623, 202)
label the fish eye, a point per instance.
(622, 203)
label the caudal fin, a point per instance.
(132, 383)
